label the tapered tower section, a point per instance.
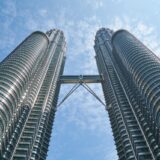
(29, 90)
(130, 71)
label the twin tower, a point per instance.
(30, 79)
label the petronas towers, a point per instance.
(30, 79)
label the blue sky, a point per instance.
(81, 129)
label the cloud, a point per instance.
(95, 4)
(8, 9)
(43, 12)
(80, 39)
(116, 1)
(84, 110)
(86, 116)
(8, 12)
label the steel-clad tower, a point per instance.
(131, 88)
(29, 89)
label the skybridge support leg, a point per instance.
(81, 80)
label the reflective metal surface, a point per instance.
(131, 89)
(28, 94)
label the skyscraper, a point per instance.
(131, 88)
(29, 89)
(30, 79)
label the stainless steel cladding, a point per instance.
(132, 92)
(29, 87)
(144, 68)
(15, 72)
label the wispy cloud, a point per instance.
(43, 12)
(8, 12)
(95, 4)
(116, 1)
(93, 115)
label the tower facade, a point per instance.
(131, 86)
(29, 90)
